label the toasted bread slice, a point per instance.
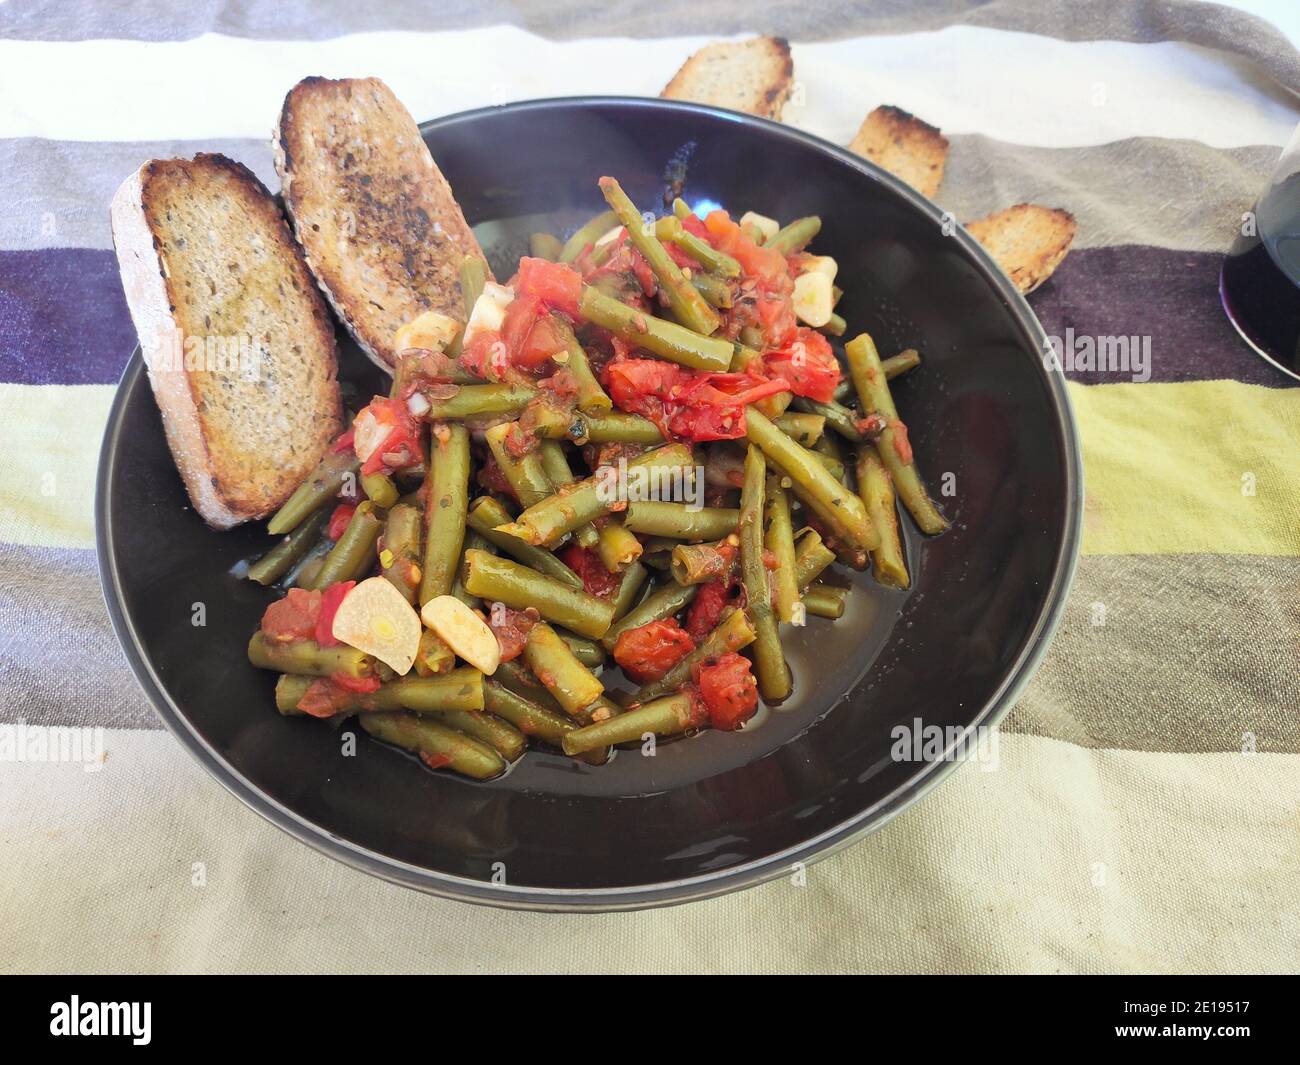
(754, 76)
(905, 146)
(382, 231)
(237, 341)
(1026, 240)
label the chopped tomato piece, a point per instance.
(324, 698)
(343, 443)
(511, 628)
(649, 651)
(707, 607)
(542, 342)
(330, 599)
(729, 690)
(687, 404)
(339, 520)
(387, 436)
(435, 761)
(766, 266)
(557, 286)
(363, 685)
(293, 617)
(596, 579)
(809, 364)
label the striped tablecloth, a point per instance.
(1145, 814)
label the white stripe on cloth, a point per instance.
(1190, 869)
(1017, 87)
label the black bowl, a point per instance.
(720, 811)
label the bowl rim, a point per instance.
(667, 892)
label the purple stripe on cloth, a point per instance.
(1137, 299)
(63, 318)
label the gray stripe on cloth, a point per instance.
(1143, 21)
(1185, 689)
(58, 191)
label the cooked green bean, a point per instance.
(839, 508)
(354, 554)
(662, 602)
(591, 397)
(399, 555)
(680, 520)
(699, 249)
(825, 601)
(806, 429)
(546, 522)
(769, 660)
(796, 236)
(459, 691)
(877, 491)
(618, 548)
(811, 557)
(588, 234)
(689, 307)
(662, 717)
(309, 658)
(524, 473)
(557, 469)
(780, 542)
(700, 563)
(471, 401)
(438, 746)
(894, 366)
(716, 292)
(836, 326)
(519, 587)
(837, 416)
(445, 511)
(589, 652)
(615, 427)
(473, 277)
(336, 472)
(529, 717)
(570, 683)
(892, 445)
(432, 656)
(500, 735)
(668, 340)
(734, 632)
(545, 246)
(379, 488)
(486, 515)
(634, 578)
(290, 551)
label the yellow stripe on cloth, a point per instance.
(1193, 466)
(49, 451)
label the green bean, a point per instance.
(796, 236)
(354, 554)
(689, 307)
(335, 472)
(500, 735)
(445, 511)
(744, 355)
(668, 340)
(716, 292)
(892, 444)
(877, 491)
(769, 660)
(665, 601)
(432, 656)
(699, 249)
(681, 209)
(634, 578)
(525, 474)
(591, 397)
(617, 548)
(811, 557)
(780, 541)
(806, 429)
(460, 691)
(399, 557)
(700, 563)
(288, 552)
(588, 234)
(734, 632)
(529, 717)
(310, 569)
(546, 522)
(309, 658)
(437, 745)
(570, 683)
(825, 601)
(589, 652)
(473, 278)
(380, 489)
(615, 427)
(662, 717)
(837, 416)
(471, 401)
(680, 520)
(557, 469)
(486, 514)
(897, 365)
(545, 246)
(836, 326)
(839, 508)
(289, 690)
(515, 677)
(499, 579)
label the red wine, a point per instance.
(1260, 281)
